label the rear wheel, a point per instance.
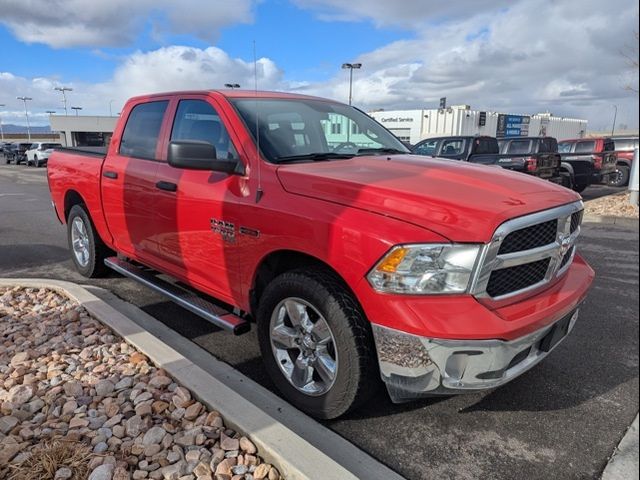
(87, 249)
(621, 176)
(316, 343)
(36, 161)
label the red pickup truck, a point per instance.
(356, 260)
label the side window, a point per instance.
(198, 120)
(565, 147)
(585, 147)
(140, 137)
(452, 147)
(427, 148)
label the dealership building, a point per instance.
(415, 125)
(82, 130)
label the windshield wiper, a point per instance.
(315, 157)
(367, 151)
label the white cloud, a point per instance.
(533, 56)
(100, 23)
(164, 69)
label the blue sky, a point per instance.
(518, 56)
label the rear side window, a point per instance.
(585, 147)
(519, 146)
(608, 146)
(427, 148)
(140, 137)
(452, 147)
(483, 146)
(198, 120)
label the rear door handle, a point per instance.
(167, 186)
(112, 175)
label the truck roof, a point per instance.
(235, 93)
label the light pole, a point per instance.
(351, 67)
(76, 109)
(26, 114)
(1, 130)
(232, 86)
(64, 96)
(110, 111)
(615, 116)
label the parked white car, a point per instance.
(39, 152)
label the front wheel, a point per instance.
(580, 187)
(88, 250)
(316, 343)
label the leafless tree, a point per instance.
(630, 54)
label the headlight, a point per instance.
(425, 269)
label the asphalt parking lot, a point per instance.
(562, 419)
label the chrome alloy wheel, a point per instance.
(80, 241)
(303, 346)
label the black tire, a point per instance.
(357, 375)
(621, 176)
(97, 250)
(35, 161)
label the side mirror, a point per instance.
(197, 155)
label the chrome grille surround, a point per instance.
(566, 238)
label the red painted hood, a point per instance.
(460, 201)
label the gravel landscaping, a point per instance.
(616, 205)
(77, 401)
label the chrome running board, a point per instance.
(186, 299)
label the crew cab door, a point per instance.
(199, 213)
(127, 179)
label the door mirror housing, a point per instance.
(197, 155)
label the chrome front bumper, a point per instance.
(414, 367)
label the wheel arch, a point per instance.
(281, 261)
(71, 199)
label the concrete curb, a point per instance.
(298, 457)
(608, 220)
(624, 463)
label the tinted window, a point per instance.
(140, 137)
(608, 146)
(585, 147)
(519, 146)
(452, 147)
(548, 145)
(198, 120)
(484, 145)
(427, 148)
(46, 146)
(564, 147)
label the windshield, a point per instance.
(310, 130)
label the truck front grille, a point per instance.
(529, 252)
(509, 279)
(530, 237)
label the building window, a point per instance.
(336, 128)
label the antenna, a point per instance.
(259, 191)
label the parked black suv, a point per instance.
(469, 149)
(17, 152)
(536, 156)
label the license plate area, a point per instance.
(557, 332)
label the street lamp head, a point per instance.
(351, 65)
(232, 85)
(24, 99)
(63, 89)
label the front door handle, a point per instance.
(167, 186)
(108, 174)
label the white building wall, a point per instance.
(461, 121)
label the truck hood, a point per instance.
(460, 201)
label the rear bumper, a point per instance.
(464, 345)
